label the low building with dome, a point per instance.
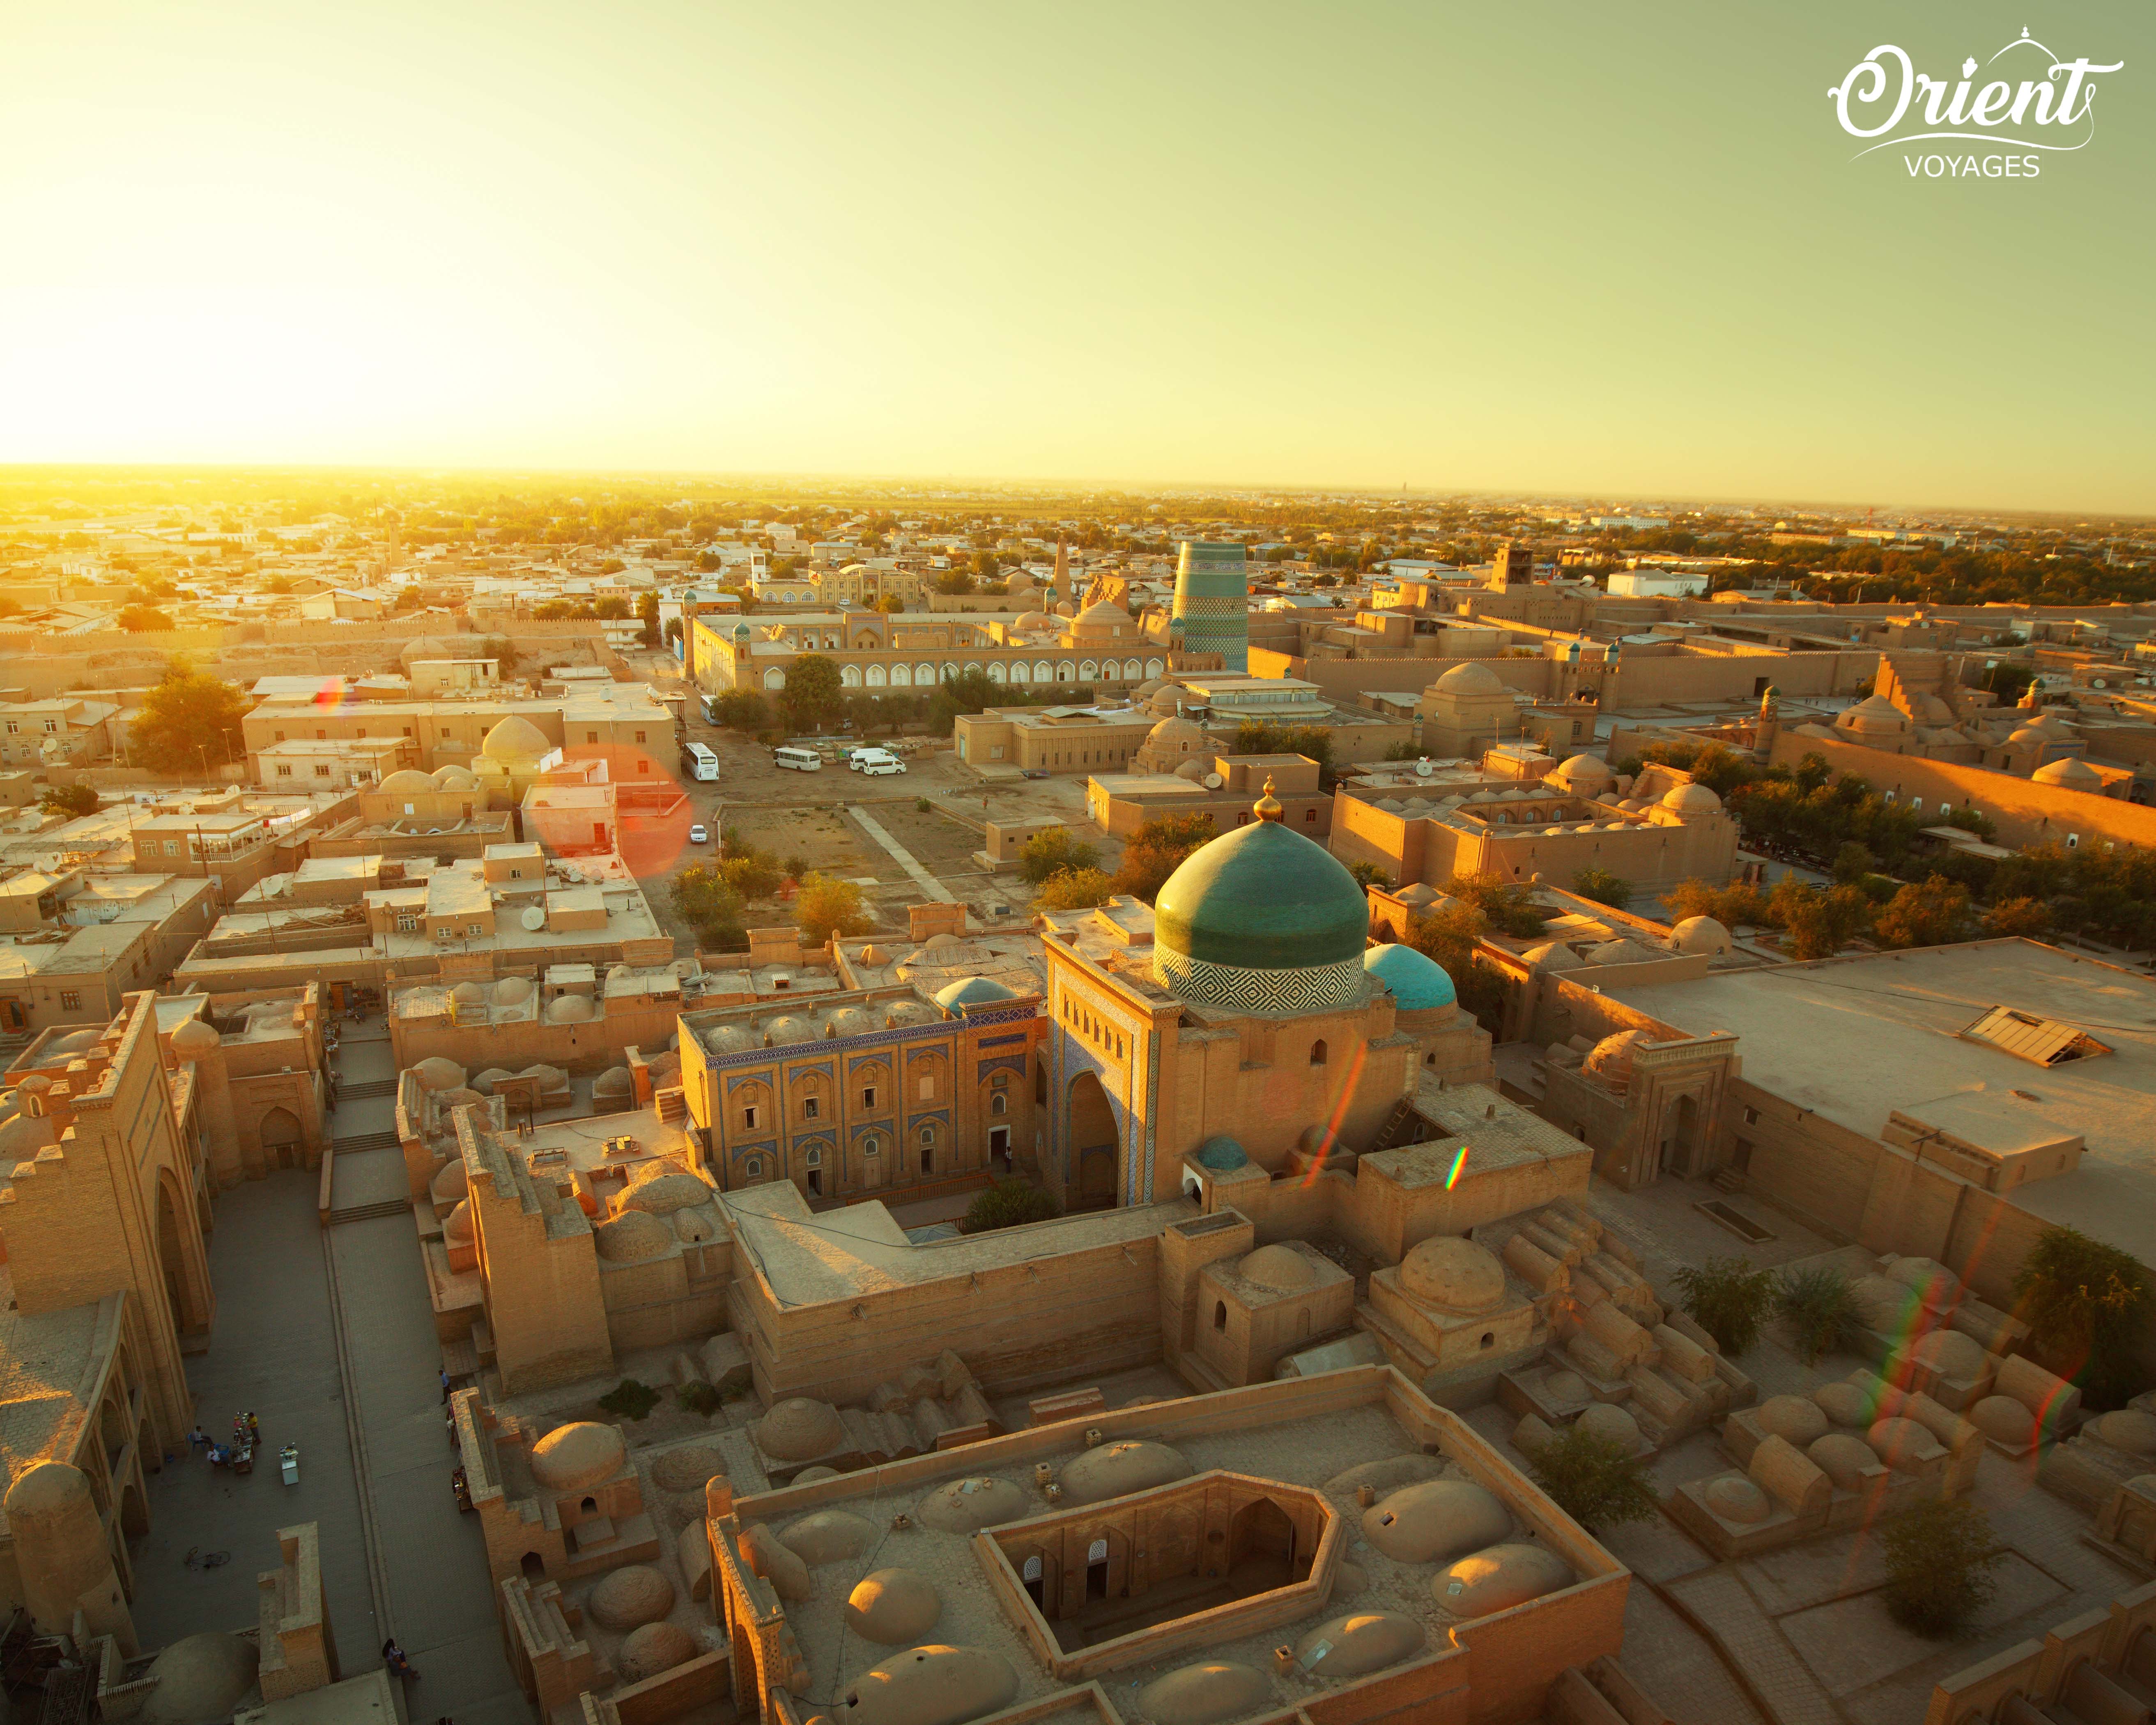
(1656, 832)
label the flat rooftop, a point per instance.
(1298, 1434)
(808, 1258)
(1854, 1039)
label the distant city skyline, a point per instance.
(1564, 254)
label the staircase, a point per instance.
(384, 1140)
(366, 1087)
(1725, 1178)
(369, 1212)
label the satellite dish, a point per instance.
(1422, 768)
(1213, 781)
(2098, 683)
(534, 918)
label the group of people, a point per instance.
(246, 1434)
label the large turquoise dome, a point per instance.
(1418, 983)
(1261, 920)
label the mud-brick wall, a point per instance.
(1084, 1313)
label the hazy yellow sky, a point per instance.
(1553, 247)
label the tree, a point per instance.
(710, 903)
(1853, 862)
(69, 800)
(1591, 1480)
(1603, 887)
(1406, 752)
(1157, 850)
(1820, 1308)
(1261, 737)
(829, 907)
(812, 691)
(741, 709)
(647, 611)
(499, 649)
(1073, 889)
(1506, 905)
(965, 691)
(1728, 1299)
(954, 581)
(1368, 874)
(1729, 905)
(1939, 1559)
(2028, 918)
(188, 722)
(1932, 915)
(1818, 924)
(614, 608)
(2087, 1305)
(1447, 936)
(141, 620)
(1007, 1203)
(1051, 852)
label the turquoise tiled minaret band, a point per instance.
(1212, 601)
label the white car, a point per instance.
(698, 835)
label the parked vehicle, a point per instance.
(700, 835)
(1034, 773)
(880, 768)
(799, 759)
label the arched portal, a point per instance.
(1261, 1529)
(279, 1131)
(1096, 1146)
(184, 1280)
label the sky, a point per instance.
(1556, 248)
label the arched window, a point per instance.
(813, 1159)
(998, 1104)
(1220, 1314)
(1317, 1052)
(871, 1145)
(753, 1169)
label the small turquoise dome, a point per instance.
(1262, 898)
(1418, 983)
(971, 991)
(1221, 1154)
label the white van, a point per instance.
(879, 766)
(860, 760)
(800, 760)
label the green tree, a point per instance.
(706, 901)
(188, 722)
(69, 801)
(1446, 937)
(965, 691)
(1932, 915)
(613, 606)
(142, 619)
(1818, 924)
(1007, 1203)
(1508, 906)
(1820, 1306)
(1261, 737)
(1053, 850)
(1603, 887)
(1074, 890)
(955, 580)
(2028, 918)
(1729, 1299)
(499, 649)
(1939, 1559)
(647, 611)
(1157, 849)
(2087, 1305)
(1591, 1480)
(829, 907)
(1406, 752)
(741, 709)
(1729, 905)
(812, 691)
(1368, 874)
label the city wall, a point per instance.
(2026, 813)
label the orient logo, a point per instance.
(2047, 105)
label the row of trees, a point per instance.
(712, 897)
(815, 698)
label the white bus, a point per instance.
(800, 760)
(698, 762)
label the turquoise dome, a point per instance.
(1418, 983)
(1221, 1154)
(971, 991)
(1262, 898)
